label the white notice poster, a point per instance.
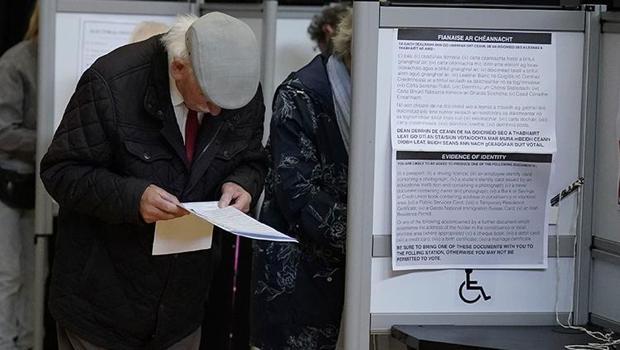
(100, 37)
(479, 91)
(469, 210)
(101, 34)
(473, 133)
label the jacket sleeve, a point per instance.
(14, 138)
(250, 174)
(76, 170)
(299, 181)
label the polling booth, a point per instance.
(485, 160)
(605, 280)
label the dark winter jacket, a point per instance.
(118, 135)
(299, 288)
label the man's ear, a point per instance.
(178, 68)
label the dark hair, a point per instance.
(331, 15)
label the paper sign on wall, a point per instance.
(473, 132)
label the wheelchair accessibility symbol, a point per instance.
(470, 292)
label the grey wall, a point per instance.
(605, 281)
(606, 209)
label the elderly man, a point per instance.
(171, 119)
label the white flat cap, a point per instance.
(225, 59)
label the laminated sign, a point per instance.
(473, 136)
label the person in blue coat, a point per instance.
(299, 288)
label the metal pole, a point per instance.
(356, 315)
(270, 14)
(45, 130)
(40, 274)
(583, 255)
(196, 6)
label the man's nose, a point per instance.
(213, 108)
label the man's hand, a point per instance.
(235, 195)
(157, 204)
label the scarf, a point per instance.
(340, 81)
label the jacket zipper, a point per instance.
(217, 132)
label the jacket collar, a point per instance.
(157, 101)
(314, 77)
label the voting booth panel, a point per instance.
(86, 36)
(517, 296)
(606, 206)
(605, 285)
(294, 49)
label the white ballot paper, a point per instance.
(194, 231)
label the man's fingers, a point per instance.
(154, 214)
(169, 203)
(225, 200)
(242, 202)
(238, 205)
(235, 195)
(157, 204)
(241, 206)
(165, 205)
(169, 197)
(247, 199)
(165, 195)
